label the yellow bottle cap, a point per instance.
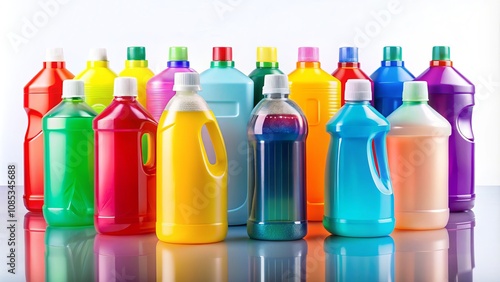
(267, 54)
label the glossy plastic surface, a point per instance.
(257, 75)
(138, 69)
(99, 80)
(346, 71)
(41, 94)
(125, 184)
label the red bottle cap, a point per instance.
(222, 54)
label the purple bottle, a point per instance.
(452, 95)
(159, 87)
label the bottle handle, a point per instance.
(150, 129)
(221, 163)
(383, 166)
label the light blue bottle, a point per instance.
(359, 201)
(229, 93)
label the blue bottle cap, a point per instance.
(348, 54)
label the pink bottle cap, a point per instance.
(308, 54)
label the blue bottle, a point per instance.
(359, 201)
(229, 93)
(388, 81)
(277, 134)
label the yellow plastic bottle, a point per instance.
(318, 94)
(191, 197)
(98, 79)
(136, 66)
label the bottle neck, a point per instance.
(53, 65)
(276, 95)
(136, 63)
(222, 64)
(97, 64)
(73, 99)
(410, 103)
(348, 64)
(393, 63)
(125, 98)
(358, 102)
(443, 63)
(178, 64)
(302, 65)
(186, 92)
(273, 65)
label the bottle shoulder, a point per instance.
(418, 120)
(303, 75)
(446, 80)
(391, 74)
(167, 75)
(123, 114)
(358, 117)
(138, 72)
(71, 109)
(96, 74)
(224, 75)
(261, 72)
(46, 78)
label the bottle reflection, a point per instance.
(68, 255)
(203, 262)
(277, 260)
(34, 233)
(461, 253)
(125, 258)
(359, 259)
(421, 255)
(237, 245)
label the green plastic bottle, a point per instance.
(136, 66)
(267, 63)
(69, 159)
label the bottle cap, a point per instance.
(308, 54)
(393, 53)
(415, 91)
(136, 53)
(441, 53)
(73, 88)
(222, 54)
(186, 81)
(125, 87)
(178, 53)
(358, 90)
(54, 55)
(348, 54)
(267, 54)
(276, 83)
(98, 54)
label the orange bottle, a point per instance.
(318, 94)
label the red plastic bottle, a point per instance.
(125, 183)
(349, 68)
(34, 248)
(41, 94)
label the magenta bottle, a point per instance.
(452, 96)
(159, 87)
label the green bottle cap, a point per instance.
(136, 53)
(392, 53)
(441, 53)
(415, 91)
(178, 54)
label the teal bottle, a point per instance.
(69, 159)
(359, 200)
(229, 94)
(267, 63)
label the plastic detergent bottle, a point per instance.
(359, 201)
(318, 95)
(99, 79)
(136, 66)
(159, 88)
(417, 148)
(69, 159)
(388, 81)
(191, 190)
(267, 63)
(277, 134)
(41, 94)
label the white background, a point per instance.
(471, 28)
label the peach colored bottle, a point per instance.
(417, 148)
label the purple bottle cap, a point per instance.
(308, 54)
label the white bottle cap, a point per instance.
(125, 87)
(54, 55)
(186, 81)
(275, 83)
(358, 90)
(97, 54)
(415, 91)
(73, 88)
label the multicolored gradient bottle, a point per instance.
(388, 81)
(136, 66)
(125, 182)
(452, 96)
(69, 159)
(359, 201)
(349, 68)
(41, 94)
(318, 95)
(99, 79)
(267, 63)
(277, 134)
(159, 88)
